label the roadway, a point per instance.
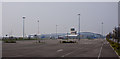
(0, 49)
(94, 48)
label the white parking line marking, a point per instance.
(59, 50)
(66, 54)
(71, 52)
(100, 51)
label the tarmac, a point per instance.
(84, 49)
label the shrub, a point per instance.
(9, 41)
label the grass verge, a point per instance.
(115, 45)
(9, 41)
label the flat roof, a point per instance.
(71, 35)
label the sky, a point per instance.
(0, 18)
(63, 14)
(119, 14)
(60, 0)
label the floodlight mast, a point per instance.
(102, 29)
(79, 27)
(23, 26)
(56, 32)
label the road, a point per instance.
(0, 49)
(94, 48)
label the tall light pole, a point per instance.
(23, 25)
(38, 32)
(102, 29)
(79, 27)
(56, 32)
(38, 26)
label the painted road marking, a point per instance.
(59, 50)
(66, 54)
(100, 51)
(71, 52)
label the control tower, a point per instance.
(73, 32)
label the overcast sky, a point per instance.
(0, 19)
(60, 0)
(63, 14)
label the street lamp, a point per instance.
(38, 26)
(23, 25)
(38, 31)
(56, 32)
(102, 29)
(79, 27)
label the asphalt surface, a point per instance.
(94, 48)
(0, 49)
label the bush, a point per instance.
(113, 45)
(9, 41)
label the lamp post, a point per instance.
(38, 31)
(56, 32)
(79, 27)
(23, 26)
(102, 29)
(38, 26)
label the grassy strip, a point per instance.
(26, 39)
(115, 45)
(19, 39)
(9, 41)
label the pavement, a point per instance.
(84, 49)
(0, 49)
